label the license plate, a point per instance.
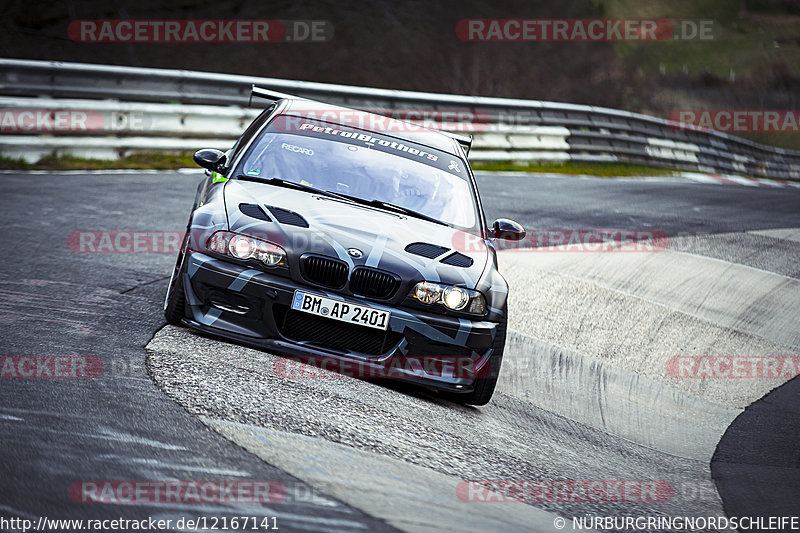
(342, 311)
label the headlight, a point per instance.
(245, 247)
(455, 298)
(428, 293)
(271, 254)
(242, 247)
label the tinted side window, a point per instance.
(250, 131)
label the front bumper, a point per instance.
(253, 307)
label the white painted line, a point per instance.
(742, 180)
(769, 183)
(702, 178)
(107, 171)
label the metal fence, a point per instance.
(134, 109)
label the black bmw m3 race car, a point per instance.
(332, 234)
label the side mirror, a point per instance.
(210, 158)
(508, 230)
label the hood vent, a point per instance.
(290, 218)
(254, 211)
(431, 251)
(458, 260)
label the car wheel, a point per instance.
(484, 387)
(175, 303)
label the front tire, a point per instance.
(484, 387)
(175, 303)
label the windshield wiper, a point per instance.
(396, 208)
(280, 182)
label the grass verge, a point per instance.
(157, 161)
(573, 167)
(161, 161)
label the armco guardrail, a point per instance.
(505, 129)
(106, 129)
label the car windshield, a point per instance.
(368, 166)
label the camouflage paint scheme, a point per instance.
(334, 227)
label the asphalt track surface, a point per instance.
(123, 426)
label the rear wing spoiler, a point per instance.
(464, 140)
(268, 94)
